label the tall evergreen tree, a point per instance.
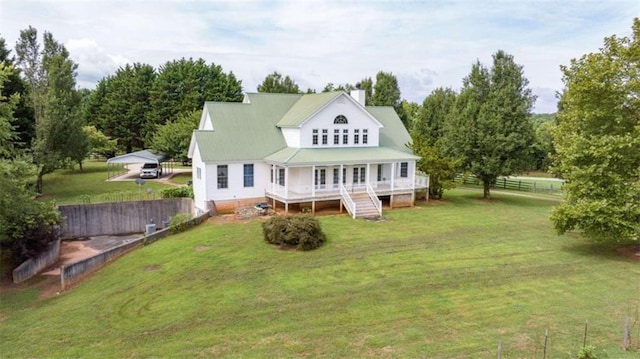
(490, 131)
(184, 85)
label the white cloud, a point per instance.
(93, 62)
(425, 44)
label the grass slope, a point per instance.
(446, 280)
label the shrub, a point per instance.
(587, 352)
(301, 231)
(181, 222)
(178, 192)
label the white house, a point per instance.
(302, 150)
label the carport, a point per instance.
(115, 165)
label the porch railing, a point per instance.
(374, 198)
(348, 202)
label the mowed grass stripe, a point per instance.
(445, 280)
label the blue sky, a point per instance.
(426, 44)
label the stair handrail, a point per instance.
(348, 202)
(374, 198)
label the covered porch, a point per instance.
(343, 182)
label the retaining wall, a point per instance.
(32, 266)
(75, 272)
(119, 218)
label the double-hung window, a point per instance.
(336, 136)
(356, 136)
(404, 169)
(324, 136)
(314, 136)
(248, 175)
(365, 136)
(345, 136)
(223, 176)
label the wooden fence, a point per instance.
(513, 184)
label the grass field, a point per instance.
(442, 280)
(73, 186)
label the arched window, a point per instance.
(340, 120)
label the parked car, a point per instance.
(151, 170)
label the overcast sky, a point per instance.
(426, 44)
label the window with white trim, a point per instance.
(325, 135)
(404, 169)
(365, 136)
(336, 136)
(345, 136)
(314, 136)
(198, 173)
(248, 175)
(223, 176)
(281, 176)
(356, 136)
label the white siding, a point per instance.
(235, 182)
(199, 184)
(357, 117)
(208, 124)
(291, 136)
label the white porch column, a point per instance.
(413, 176)
(393, 174)
(313, 181)
(286, 183)
(366, 177)
(273, 177)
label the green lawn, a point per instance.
(442, 280)
(73, 186)
(182, 178)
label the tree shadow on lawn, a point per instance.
(508, 199)
(619, 252)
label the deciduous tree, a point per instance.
(490, 131)
(427, 140)
(173, 138)
(275, 83)
(27, 226)
(50, 75)
(598, 142)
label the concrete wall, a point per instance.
(75, 272)
(119, 218)
(32, 266)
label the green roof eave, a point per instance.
(306, 107)
(331, 156)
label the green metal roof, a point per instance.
(326, 156)
(243, 131)
(393, 134)
(306, 107)
(250, 132)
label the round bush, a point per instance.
(300, 231)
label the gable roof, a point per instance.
(243, 131)
(143, 156)
(250, 131)
(305, 107)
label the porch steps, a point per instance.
(364, 206)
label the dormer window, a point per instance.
(340, 120)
